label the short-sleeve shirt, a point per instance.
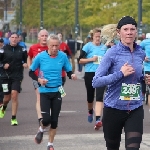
(91, 51)
(145, 44)
(34, 50)
(50, 68)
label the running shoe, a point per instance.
(98, 124)
(14, 122)
(50, 147)
(2, 112)
(90, 118)
(39, 137)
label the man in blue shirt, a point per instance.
(6, 39)
(21, 43)
(50, 64)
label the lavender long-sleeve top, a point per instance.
(108, 73)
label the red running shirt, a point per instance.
(34, 50)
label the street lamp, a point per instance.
(20, 16)
(76, 19)
(140, 17)
(41, 14)
(5, 10)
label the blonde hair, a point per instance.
(95, 30)
(109, 33)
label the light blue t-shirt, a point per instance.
(93, 50)
(51, 69)
(145, 44)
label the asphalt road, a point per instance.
(74, 132)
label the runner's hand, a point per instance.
(6, 66)
(127, 70)
(42, 81)
(25, 65)
(95, 58)
(146, 59)
(147, 79)
(73, 77)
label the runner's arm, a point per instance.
(83, 59)
(29, 61)
(35, 65)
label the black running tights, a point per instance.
(115, 120)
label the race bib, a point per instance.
(5, 87)
(62, 92)
(98, 60)
(130, 91)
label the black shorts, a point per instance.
(12, 85)
(115, 120)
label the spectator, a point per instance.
(71, 43)
(24, 35)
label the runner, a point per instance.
(71, 43)
(91, 56)
(21, 43)
(33, 51)
(6, 39)
(1, 89)
(121, 71)
(12, 74)
(65, 48)
(50, 64)
(145, 44)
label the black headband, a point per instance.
(126, 20)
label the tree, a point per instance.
(61, 13)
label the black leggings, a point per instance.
(115, 120)
(50, 102)
(90, 90)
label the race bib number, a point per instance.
(62, 92)
(130, 91)
(98, 60)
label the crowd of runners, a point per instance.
(117, 76)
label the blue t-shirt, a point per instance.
(6, 41)
(145, 44)
(51, 69)
(23, 45)
(93, 50)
